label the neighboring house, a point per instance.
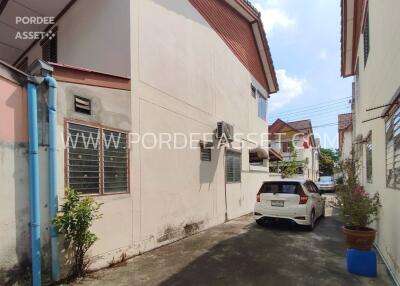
(345, 136)
(370, 53)
(297, 135)
(141, 67)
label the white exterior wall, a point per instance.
(186, 79)
(94, 37)
(347, 145)
(379, 82)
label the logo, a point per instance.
(34, 35)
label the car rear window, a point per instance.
(326, 179)
(292, 188)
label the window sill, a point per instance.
(109, 197)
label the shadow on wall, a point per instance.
(186, 11)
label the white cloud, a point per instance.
(274, 17)
(323, 55)
(289, 89)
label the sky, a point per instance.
(304, 37)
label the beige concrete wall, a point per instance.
(185, 80)
(14, 210)
(347, 145)
(110, 108)
(94, 37)
(379, 82)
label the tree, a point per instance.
(290, 167)
(328, 160)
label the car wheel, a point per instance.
(312, 220)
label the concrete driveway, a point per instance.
(242, 253)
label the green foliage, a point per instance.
(74, 221)
(328, 160)
(357, 208)
(289, 169)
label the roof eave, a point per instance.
(346, 41)
(242, 7)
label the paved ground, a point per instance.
(243, 253)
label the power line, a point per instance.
(316, 106)
(322, 112)
(327, 107)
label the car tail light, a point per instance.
(258, 197)
(303, 198)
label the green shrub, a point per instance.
(357, 208)
(74, 221)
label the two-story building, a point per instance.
(296, 142)
(144, 71)
(370, 54)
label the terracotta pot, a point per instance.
(360, 238)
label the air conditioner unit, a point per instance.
(224, 131)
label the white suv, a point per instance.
(299, 201)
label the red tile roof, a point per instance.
(344, 120)
(302, 126)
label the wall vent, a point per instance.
(82, 105)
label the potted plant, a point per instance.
(357, 208)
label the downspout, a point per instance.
(34, 191)
(53, 196)
(226, 199)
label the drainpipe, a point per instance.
(34, 191)
(40, 72)
(53, 197)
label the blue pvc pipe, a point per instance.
(53, 196)
(34, 191)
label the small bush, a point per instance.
(74, 221)
(357, 208)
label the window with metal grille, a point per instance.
(205, 152)
(83, 165)
(366, 38)
(115, 162)
(233, 167)
(262, 107)
(49, 48)
(369, 159)
(392, 129)
(97, 160)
